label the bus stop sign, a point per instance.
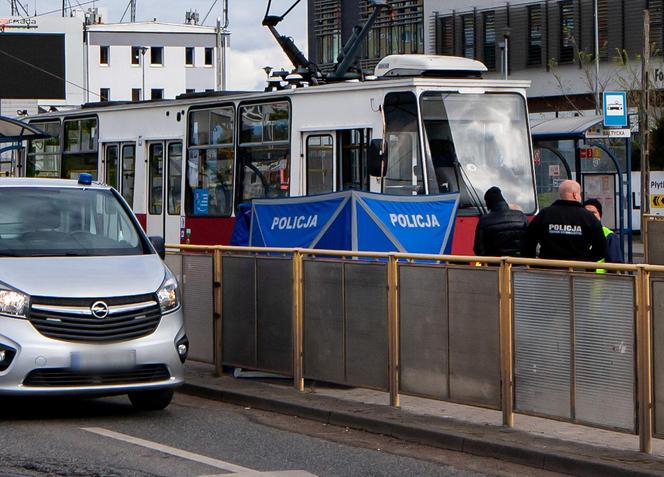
(615, 109)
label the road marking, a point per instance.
(219, 464)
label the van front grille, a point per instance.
(72, 319)
(66, 377)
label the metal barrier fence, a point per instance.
(545, 338)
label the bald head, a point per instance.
(570, 190)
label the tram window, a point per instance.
(264, 152)
(112, 166)
(156, 171)
(320, 164)
(80, 148)
(174, 177)
(353, 158)
(210, 163)
(44, 154)
(403, 175)
(128, 172)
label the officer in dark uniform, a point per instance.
(501, 231)
(566, 230)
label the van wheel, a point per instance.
(151, 400)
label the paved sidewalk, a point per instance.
(538, 443)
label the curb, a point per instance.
(553, 461)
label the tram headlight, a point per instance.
(169, 293)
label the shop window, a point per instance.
(210, 163)
(264, 152)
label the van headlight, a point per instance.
(13, 303)
(168, 293)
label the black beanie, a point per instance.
(595, 203)
(493, 197)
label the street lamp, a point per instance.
(143, 50)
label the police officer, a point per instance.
(566, 230)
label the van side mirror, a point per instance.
(375, 158)
(159, 245)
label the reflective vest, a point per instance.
(607, 231)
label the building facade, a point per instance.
(399, 29)
(551, 43)
(142, 61)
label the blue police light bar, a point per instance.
(85, 179)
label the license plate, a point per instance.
(103, 360)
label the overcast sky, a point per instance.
(252, 45)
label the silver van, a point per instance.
(87, 305)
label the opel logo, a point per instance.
(99, 309)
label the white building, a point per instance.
(151, 60)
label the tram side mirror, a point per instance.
(159, 245)
(375, 158)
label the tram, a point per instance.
(425, 125)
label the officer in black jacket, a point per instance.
(501, 231)
(565, 230)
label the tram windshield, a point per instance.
(476, 141)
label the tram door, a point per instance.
(119, 169)
(321, 170)
(164, 188)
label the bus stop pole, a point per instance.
(628, 148)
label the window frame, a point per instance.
(153, 50)
(57, 155)
(187, 51)
(102, 49)
(136, 55)
(104, 95)
(534, 35)
(210, 51)
(160, 94)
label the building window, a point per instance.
(490, 40)
(190, 90)
(135, 55)
(104, 95)
(534, 35)
(447, 36)
(567, 32)
(189, 56)
(136, 94)
(104, 55)
(468, 36)
(157, 93)
(209, 56)
(157, 55)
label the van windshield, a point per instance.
(50, 221)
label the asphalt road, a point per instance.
(196, 437)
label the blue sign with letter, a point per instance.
(354, 220)
(615, 109)
(201, 201)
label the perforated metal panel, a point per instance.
(604, 351)
(239, 311)
(274, 318)
(174, 263)
(655, 252)
(657, 293)
(474, 318)
(324, 321)
(423, 331)
(365, 290)
(198, 306)
(542, 342)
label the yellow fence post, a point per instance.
(506, 342)
(298, 319)
(393, 329)
(218, 312)
(644, 359)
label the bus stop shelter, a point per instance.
(587, 132)
(14, 132)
